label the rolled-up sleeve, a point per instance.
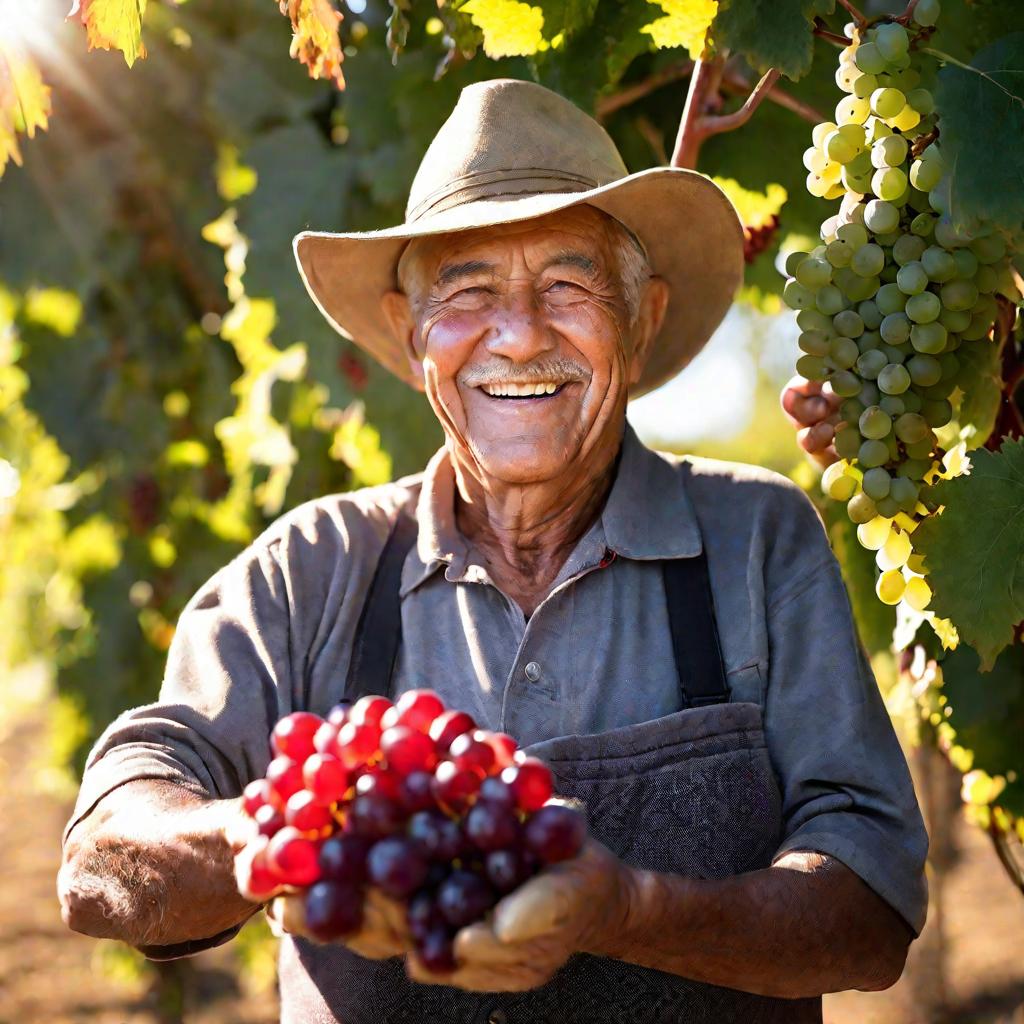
(846, 787)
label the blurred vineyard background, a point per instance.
(167, 390)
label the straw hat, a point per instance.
(512, 150)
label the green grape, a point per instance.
(943, 389)
(887, 507)
(958, 295)
(869, 341)
(870, 364)
(814, 160)
(848, 324)
(869, 60)
(928, 338)
(889, 299)
(890, 586)
(986, 279)
(839, 148)
(847, 441)
(950, 366)
(814, 272)
(923, 448)
(852, 110)
(844, 279)
(922, 101)
(906, 119)
(876, 483)
(925, 174)
(977, 329)
(850, 409)
(939, 196)
(937, 412)
(966, 263)
(889, 184)
(839, 253)
(847, 74)
(926, 13)
(889, 151)
(874, 424)
(837, 484)
(869, 393)
(915, 469)
(989, 249)
(843, 352)
(985, 307)
(887, 103)
(918, 201)
(863, 289)
(845, 383)
(894, 379)
(814, 343)
(924, 370)
(939, 265)
(892, 404)
(796, 296)
(924, 223)
(874, 127)
(881, 217)
(872, 453)
(911, 401)
(906, 249)
(912, 278)
(819, 132)
(924, 308)
(793, 261)
(812, 320)
(812, 367)
(892, 41)
(868, 260)
(948, 235)
(829, 300)
(854, 235)
(861, 509)
(854, 181)
(869, 314)
(887, 238)
(955, 320)
(894, 353)
(864, 86)
(818, 186)
(904, 492)
(895, 328)
(905, 79)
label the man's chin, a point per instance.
(522, 460)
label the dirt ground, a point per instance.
(50, 976)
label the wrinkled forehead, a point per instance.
(582, 229)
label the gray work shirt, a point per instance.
(272, 633)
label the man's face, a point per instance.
(523, 340)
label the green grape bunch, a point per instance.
(895, 288)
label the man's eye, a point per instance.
(565, 288)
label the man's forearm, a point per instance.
(804, 927)
(152, 865)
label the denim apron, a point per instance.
(691, 793)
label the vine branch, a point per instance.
(607, 105)
(858, 18)
(833, 37)
(736, 84)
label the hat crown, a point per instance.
(508, 138)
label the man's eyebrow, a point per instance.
(456, 270)
(572, 258)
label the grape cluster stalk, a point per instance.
(889, 298)
(410, 798)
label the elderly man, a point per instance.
(671, 635)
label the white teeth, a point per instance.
(520, 390)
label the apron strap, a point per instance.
(379, 631)
(691, 617)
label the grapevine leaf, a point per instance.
(510, 28)
(768, 33)
(985, 712)
(316, 41)
(756, 209)
(981, 382)
(113, 25)
(24, 102)
(563, 18)
(981, 110)
(974, 549)
(685, 23)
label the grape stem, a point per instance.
(858, 18)
(833, 37)
(608, 105)
(735, 83)
(904, 18)
(1009, 422)
(923, 142)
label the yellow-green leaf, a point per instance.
(686, 24)
(315, 37)
(756, 209)
(510, 28)
(113, 25)
(24, 102)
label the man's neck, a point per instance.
(527, 531)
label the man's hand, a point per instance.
(814, 409)
(568, 908)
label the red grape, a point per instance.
(333, 910)
(468, 752)
(531, 783)
(338, 715)
(307, 814)
(285, 778)
(375, 816)
(490, 827)
(269, 820)
(555, 833)
(293, 857)
(435, 949)
(343, 858)
(494, 791)
(325, 777)
(503, 745)
(417, 709)
(407, 750)
(261, 881)
(369, 710)
(508, 869)
(416, 792)
(325, 737)
(464, 898)
(357, 743)
(422, 914)
(255, 795)
(396, 867)
(436, 835)
(379, 782)
(293, 735)
(447, 726)
(454, 787)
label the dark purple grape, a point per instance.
(415, 792)
(489, 827)
(508, 869)
(333, 910)
(494, 791)
(343, 858)
(436, 835)
(464, 898)
(423, 913)
(555, 833)
(396, 867)
(375, 816)
(437, 873)
(436, 951)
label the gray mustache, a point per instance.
(529, 373)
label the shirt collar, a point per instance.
(648, 515)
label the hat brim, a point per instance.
(691, 231)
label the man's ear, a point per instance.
(650, 316)
(398, 313)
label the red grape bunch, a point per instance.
(411, 798)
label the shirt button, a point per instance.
(532, 671)
(496, 1017)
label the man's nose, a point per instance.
(521, 332)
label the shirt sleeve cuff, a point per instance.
(900, 881)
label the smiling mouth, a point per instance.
(506, 389)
